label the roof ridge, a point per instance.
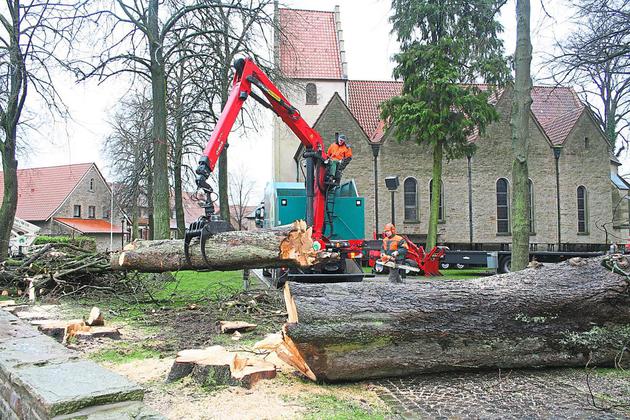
(306, 10)
(57, 166)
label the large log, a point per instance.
(566, 314)
(290, 245)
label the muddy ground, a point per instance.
(152, 335)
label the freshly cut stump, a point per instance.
(215, 365)
(284, 246)
(228, 327)
(566, 314)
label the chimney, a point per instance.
(340, 43)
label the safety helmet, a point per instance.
(341, 138)
(390, 227)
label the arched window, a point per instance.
(410, 187)
(503, 206)
(91, 184)
(311, 94)
(531, 207)
(582, 209)
(441, 208)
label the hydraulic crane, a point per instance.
(248, 75)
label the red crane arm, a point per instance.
(248, 74)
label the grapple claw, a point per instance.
(204, 228)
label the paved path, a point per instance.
(516, 394)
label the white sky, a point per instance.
(369, 47)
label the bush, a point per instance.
(84, 242)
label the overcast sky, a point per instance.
(369, 48)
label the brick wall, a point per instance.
(578, 165)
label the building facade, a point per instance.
(70, 200)
(570, 167)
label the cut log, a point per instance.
(6, 303)
(215, 366)
(563, 314)
(283, 246)
(228, 327)
(96, 318)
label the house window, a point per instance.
(582, 210)
(441, 208)
(92, 184)
(77, 210)
(106, 211)
(92, 212)
(311, 94)
(586, 142)
(531, 206)
(411, 199)
(503, 206)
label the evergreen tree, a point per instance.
(446, 47)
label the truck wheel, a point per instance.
(506, 264)
(460, 266)
(445, 265)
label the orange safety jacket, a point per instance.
(337, 152)
(395, 243)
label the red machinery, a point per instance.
(248, 74)
(429, 262)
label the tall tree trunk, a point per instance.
(150, 194)
(161, 205)
(224, 201)
(9, 119)
(521, 105)
(177, 157)
(438, 151)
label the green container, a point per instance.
(285, 202)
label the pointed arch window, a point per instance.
(582, 209)
(532, 226)
(441, 208)
(410, 188)
(311, 94)
(503, 206)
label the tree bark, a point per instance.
(280, 247)
(435, 194)
(521, 105)
(566, 314)
(161, 204)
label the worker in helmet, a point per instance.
(340, 155)
(394, 249)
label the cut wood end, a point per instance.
(290, 304)
(270, 342)
(228, 327)
(288, 352)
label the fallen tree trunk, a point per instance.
(568, 314)
(290, 245)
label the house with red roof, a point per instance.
(579, 201)
(70, 200)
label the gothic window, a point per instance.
(410, 187)
(441, 208)
(503, 206)
(531, 206)
(582, 210)
(77, 211)
(311, 94)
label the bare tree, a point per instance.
(589, 58)
(31, 32)
(241, 188)
(128, 149)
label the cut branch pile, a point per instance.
(575, 313)
(58, 269)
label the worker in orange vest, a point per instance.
(395, 250)
(340, 155)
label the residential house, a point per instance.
(70, 200)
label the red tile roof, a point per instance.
(309, 48)
(555, 108)
(42, 190)
(89, 225)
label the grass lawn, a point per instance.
(195, 285)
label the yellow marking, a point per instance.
(273, 95)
